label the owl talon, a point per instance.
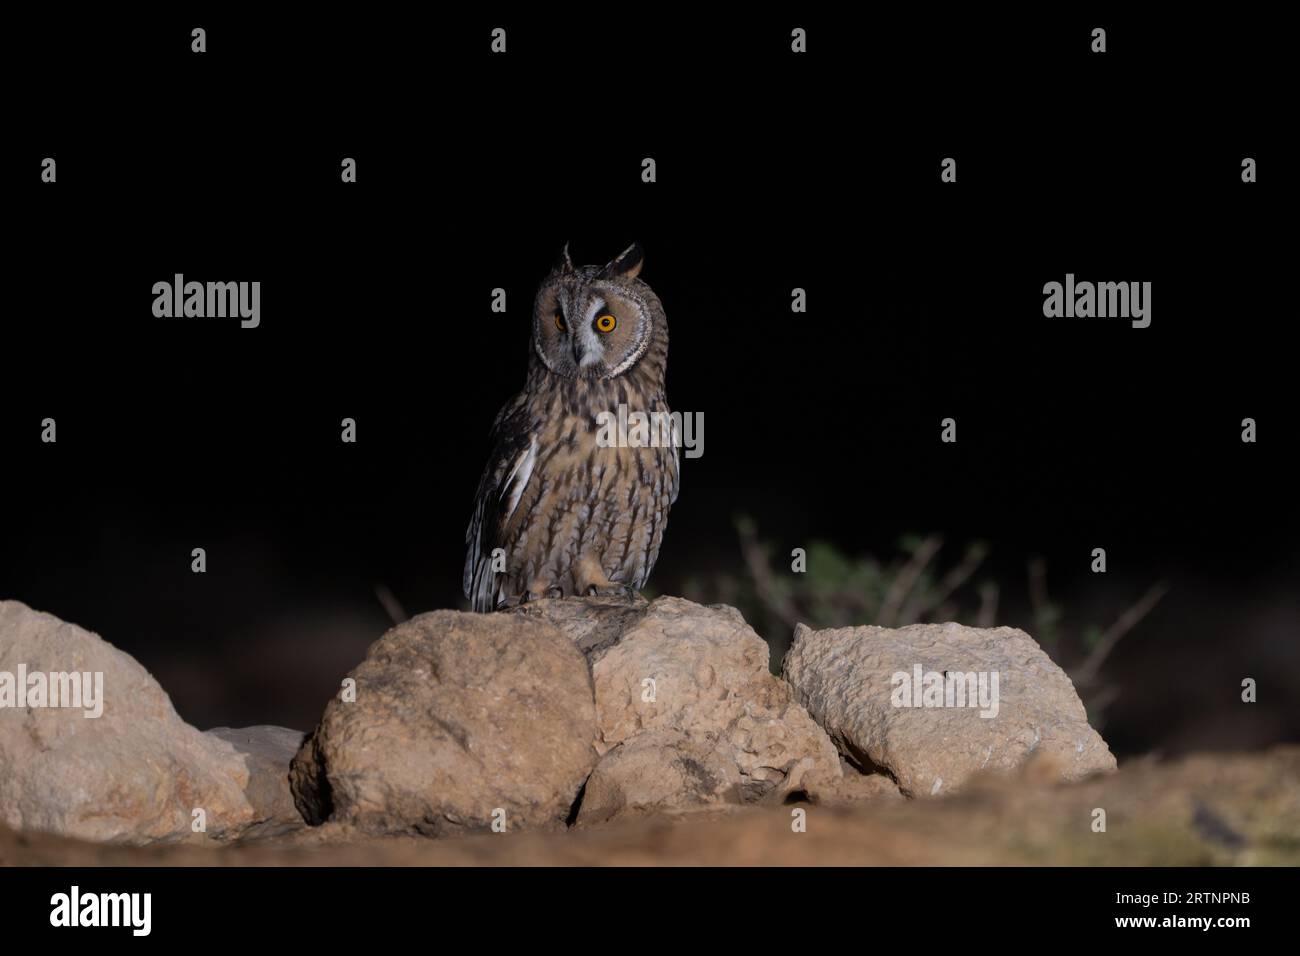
(624, 591)
(555, 592)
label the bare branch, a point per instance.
(760, 571)
(988, 612)
(1038, 599)
(958, 575)
(392, 606)
(906, 579)
(1087, 672)
(1096, 703)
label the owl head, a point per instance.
(594, 322)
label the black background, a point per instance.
(381, 898)
(774, 171)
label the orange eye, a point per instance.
(606, 323)
(559, 321)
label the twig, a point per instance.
(765, 585)
(1045, 616)
(1087, 672)
(391, 605)
(917, 608)
(1038, 587)
(988, 612)
(906, 579)
(1097, 702)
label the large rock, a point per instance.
(661, 771)
(683, 692)
(846, 677)
(853, 787)
(134, 774)
(456, 717)
(267, 752)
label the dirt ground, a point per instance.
(1214, 809)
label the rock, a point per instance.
(456, 717)
(852, 787)
(267, 752)
(134, 774)
(845, 677)
(1209, 809)
(595, 624)
(660, 771)
(696, 680)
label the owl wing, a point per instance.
(675, 474)
(671, 476)
(509, 467)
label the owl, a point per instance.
(572, 512)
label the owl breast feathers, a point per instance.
(561, 510)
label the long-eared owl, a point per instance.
(572, 512)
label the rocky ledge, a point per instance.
(561, 715)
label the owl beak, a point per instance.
(584, 355)
(586, 352)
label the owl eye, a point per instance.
(606, 323)
(559, 321)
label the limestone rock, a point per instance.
(595, 624)
(134, 774)
(660, 771)
(267, 752)
(456, 717)
(671, 668)
(846, 679)
(853, 787)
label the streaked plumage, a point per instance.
(573, 517)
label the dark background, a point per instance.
(774, 171)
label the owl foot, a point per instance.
(625, 591)
(528, 597)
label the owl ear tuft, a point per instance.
(627, 265)
(564, 263)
